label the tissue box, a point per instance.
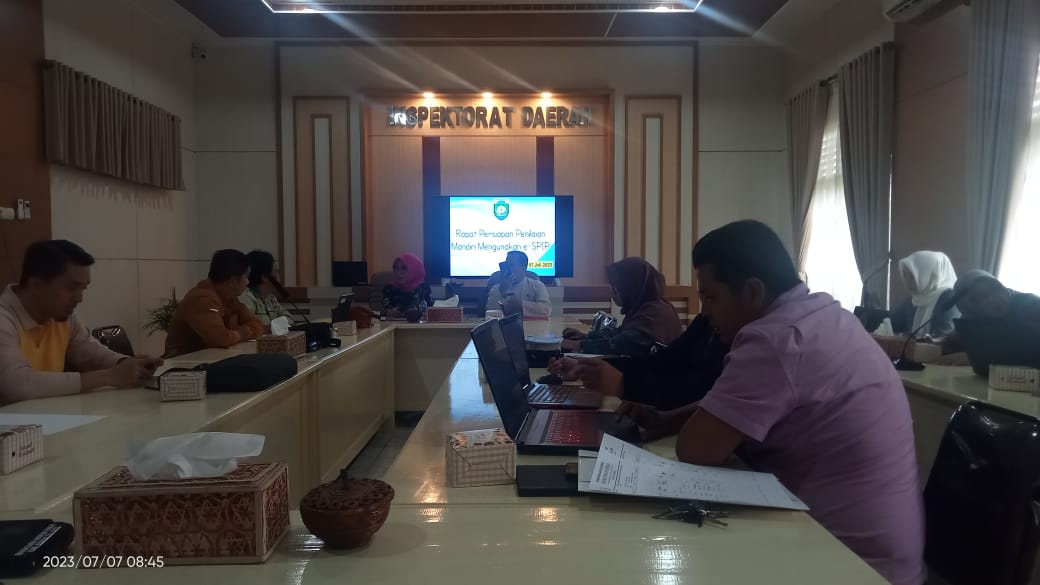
(485, 457)
(345, 328)
(293, 343)
(175, 386)
(235, 519)
(444, 314)
(20, 445)
(1014, 378)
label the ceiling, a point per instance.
(489, 20)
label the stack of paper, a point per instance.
(624, 469)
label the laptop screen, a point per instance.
(513, 332)
(509, 393)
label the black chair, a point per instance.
(114, 337)
(981, 502)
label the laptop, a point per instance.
(341, 312)
(540, 431)
(542, 395)
(998, 342)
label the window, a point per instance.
(1018, 268)
(830, 265)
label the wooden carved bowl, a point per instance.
(347, 512)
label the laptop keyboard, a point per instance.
(545, 394)
(572, 428)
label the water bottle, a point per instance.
(422, 310)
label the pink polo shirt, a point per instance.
(825, 411)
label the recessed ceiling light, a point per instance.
(487, 95)
(546, 95)
(427, 94)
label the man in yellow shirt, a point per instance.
(44, 350)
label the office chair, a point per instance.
(378, 281)
(114, 337)
(982, 512)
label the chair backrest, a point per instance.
(686, 301)
(981, 507)
(378, 281)
(114, 337)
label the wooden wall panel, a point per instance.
(305, 111)
(23, 168)
(580, 172)
(488, 165)
(393, 207)
(637, 240)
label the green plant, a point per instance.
(160, 317)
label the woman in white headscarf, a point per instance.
(929, 278)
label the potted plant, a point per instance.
(160, 317)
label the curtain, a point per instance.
(830, 264)
(95, 127)
(806, 117)
(1022, 238)
(866, 88)
(1000, 82)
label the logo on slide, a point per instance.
(501, 210)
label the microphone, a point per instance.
(905, 364)
(285, 296)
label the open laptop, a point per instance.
(540, 431)
(991, 342)
(341, 312)
(542, 395)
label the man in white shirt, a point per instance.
(44, 350)
(517, 291)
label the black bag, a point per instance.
(319, 335)
(249, 372)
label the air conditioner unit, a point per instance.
(907, 10)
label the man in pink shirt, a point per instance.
(805, 394)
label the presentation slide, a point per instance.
(483, 229)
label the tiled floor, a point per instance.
(375, 459)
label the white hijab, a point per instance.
(933, 274)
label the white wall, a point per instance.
(845, 31)
(743, 159)
(144, 239)
(236, 154)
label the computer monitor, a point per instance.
(349, 273)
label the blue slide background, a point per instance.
(525, 213)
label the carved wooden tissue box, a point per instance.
(293, 343)
(235, 519)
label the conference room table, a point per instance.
(435, 533)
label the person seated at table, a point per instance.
(409, 287)
(805, 394)
(980, 295)
(496, 276)
(45, 350)
(638, 288)
(675, 376)
(929, 278)
(518, 292)
(211, 315)
(261, 297)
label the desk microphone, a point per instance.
(905, 364)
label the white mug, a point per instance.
(494, 314)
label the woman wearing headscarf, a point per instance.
(649, 319)
(929, 277)
(262, 295)
(409, 287)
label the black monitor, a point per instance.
(349, 273)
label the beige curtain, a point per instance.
(806, 119)
(95, 127)
(867, 99)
